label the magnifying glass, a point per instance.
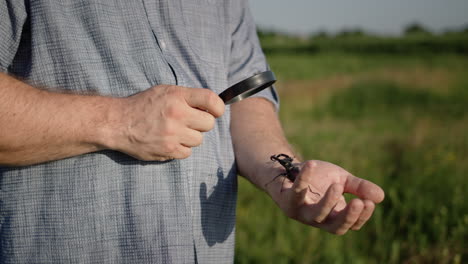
(248, 87)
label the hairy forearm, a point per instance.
(38, 126)
(257, 134)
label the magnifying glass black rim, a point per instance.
(248, 87)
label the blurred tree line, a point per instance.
(415, 39)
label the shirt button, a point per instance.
(162, 44)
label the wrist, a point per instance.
(270, 177)
(109, 125)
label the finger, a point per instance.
(364, 189)
(317, 213)
(369, 207)
(199, 120)
(190, 138)
(181, 152)
(206, 100)
(344, 220)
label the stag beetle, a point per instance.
(291, 170)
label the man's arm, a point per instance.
(161, 123)
(316, 196)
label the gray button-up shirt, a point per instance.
(107, 207)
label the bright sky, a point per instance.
(377, 16)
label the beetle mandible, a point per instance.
(291, 170)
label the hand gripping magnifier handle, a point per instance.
(248, 87)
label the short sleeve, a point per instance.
(12, 18)
(246, 56)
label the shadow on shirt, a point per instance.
(218, 210)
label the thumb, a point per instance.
(206, 100)
(364, 189)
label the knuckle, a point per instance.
(318, 219)
(369, 206)
(213, 98)
(160, 158)
(169, 148)
(310, 165)
(168, 130)
(210, 97)
(356, 206)
(173, 111)
(358, 225)
(150, 156)
(147, 157)
(210, 123)
(198, 139)
(187, 153)
(173, 90)
(142, 157)
(336, 189)
(215, 103)
(340, 231)
(183, 154)
(349, 221)
(207, 123)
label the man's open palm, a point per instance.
(316, 197)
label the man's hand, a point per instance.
(316, 197)
(160, 123)
(165, 122)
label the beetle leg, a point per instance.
(282, 184)
(279, 175)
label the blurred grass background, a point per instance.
(397, 116)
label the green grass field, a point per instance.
(398, 120)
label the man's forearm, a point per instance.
(38, 126)
(257, 134)
(315, 196)
(160, 123)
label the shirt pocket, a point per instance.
(205, 27)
